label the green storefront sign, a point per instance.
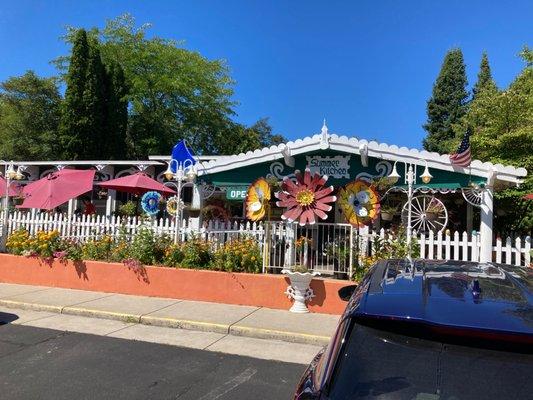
(236, 192)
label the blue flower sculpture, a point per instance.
(150, 203)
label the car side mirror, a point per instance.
(345, 293)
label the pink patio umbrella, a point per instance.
(57, 188)
(138, 183)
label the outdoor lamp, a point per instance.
(168, 173)
(11, 173)
(191, 174)
(393, 176)
(426, 176)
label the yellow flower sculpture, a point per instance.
(257, 198)
(359, 202)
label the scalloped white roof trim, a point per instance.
(377, 150)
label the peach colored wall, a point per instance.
(188, 284)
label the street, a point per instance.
(38, 363)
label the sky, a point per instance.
(368, 67)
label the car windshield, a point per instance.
(382, 364)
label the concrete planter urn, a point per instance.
(299, 289)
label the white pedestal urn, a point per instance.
(299, 289)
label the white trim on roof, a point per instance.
(354, 146)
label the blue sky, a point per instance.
(366, 66)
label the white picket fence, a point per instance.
(440, 246)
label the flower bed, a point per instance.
(189, 270)
(189, 284)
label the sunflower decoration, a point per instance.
(173, 205)
(305, 198)
(150, 203)
(257, 198)
(359, 202)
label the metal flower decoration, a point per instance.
(359, 202)
(305, 198)
(150, 202)
(173, 205)
(257, 198)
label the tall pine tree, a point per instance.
(73, 125)
(484, 78)
(447, 104)
(116, 112)
(94, 97)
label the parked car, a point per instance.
(430, 330)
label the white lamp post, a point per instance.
(184, 173)
(10, 174)
(410, 181)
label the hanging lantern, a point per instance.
(257, 198)
(359, 202)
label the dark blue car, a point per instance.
(429, 330)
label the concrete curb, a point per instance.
(236, 330)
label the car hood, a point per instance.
(452, 293)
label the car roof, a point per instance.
(459, 294)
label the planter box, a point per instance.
(188, 284)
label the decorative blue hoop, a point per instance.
(150, 203)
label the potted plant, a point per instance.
(339, 252)
(388, 211)
(299, 290)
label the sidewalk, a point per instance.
(254, 322)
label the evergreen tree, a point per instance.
(94, 98)
(73, 125)
(116, 112)
(447, 104)
(484, 78)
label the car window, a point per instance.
(380, 364)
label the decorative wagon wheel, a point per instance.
(427, 214)
(473, 195)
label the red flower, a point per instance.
(305, 198)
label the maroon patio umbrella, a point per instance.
(528, 196)
(57, 188)
(138, 183)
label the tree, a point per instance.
(73, 130)
(447, 104)
(173, 93)
(484, 78)
(29, 117)
(240, 139)
(502, 123)
(95, 110)
(116, 112)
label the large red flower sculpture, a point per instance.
(305, 198)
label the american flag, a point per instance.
(462, 157)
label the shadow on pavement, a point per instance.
(6, 318)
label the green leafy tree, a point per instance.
(484, 78)
(29, 117)
(502, 123)
(173, 93)
(74, 127)
(447, 104)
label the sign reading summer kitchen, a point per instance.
(336, 167)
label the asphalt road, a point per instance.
(46, 364)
